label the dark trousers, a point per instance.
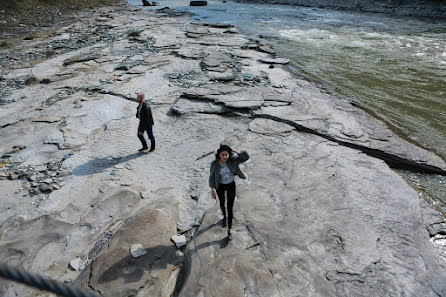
(230, 190)
(142, 129)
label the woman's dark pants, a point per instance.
(230, 190)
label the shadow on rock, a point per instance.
(132, 269)
(158, 257)
(98, 165)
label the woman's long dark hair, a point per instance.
(223, 148)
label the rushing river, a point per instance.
(392, 66)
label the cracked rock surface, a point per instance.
(322, 213)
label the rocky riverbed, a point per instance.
(322, 213)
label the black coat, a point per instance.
(145, 117)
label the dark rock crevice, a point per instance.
(392, 160)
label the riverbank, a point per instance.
(30, 17)
(322, 212)
(426, 9)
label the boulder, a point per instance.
(77, 264)
(198, 3)
(227, 75)
(137, 250)
(45, 188)
(179, 240)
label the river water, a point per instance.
(393, 66)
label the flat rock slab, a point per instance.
(347, 124)
(324, 236)
(274, 61)
(201, 30)
(266, 49)
(81, 58)
(269, 127)
(156, 61)
(191, 53)
(189, 106)
(227, 75)
(215, 59)
(232, 269)
(117, 273)
(48, 119)
(205, 91)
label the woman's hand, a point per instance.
(214, 196)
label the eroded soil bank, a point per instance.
(322, 213)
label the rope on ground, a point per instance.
(43, 283)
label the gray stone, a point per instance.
(137, 250)
(45, 188)
(275, 60)
(200, 30)
(198, 3)
(231, 31)
(76, 264)
(81, 58)
(186, 106)
(179, 240)
(266, 49)
(13, 176)
(227, 75)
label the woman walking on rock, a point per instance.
(221, 180)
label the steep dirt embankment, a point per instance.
(421, 8)
(26, 16)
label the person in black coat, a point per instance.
(144, 114)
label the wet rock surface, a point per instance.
(322, 213)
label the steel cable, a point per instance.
(37, 281)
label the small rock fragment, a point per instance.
(55, 186)
(145, 195)
(76, 264)
(45, 188)
(13, 176)
(137, 250)
(179, 240)
(13, 150)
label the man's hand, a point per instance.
(214, 196)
